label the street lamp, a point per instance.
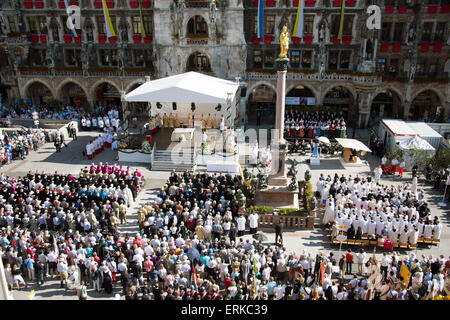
(35, 115)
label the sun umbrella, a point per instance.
(193, 254)
(260, 237)
(324, 140)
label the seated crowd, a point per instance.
(45, 111)
(51, 223)
(310, 125)
(370, 210)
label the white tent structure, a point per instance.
(185, 89)
(394, 132)
(426, 132)
(416, 143)
(353, 144)
(348, 157)
(413, 144)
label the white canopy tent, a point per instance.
(184, 89)
(353, 144)
(412, 144)
(416, 143)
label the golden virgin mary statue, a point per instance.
(284, 42)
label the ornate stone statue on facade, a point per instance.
(411, 34)
(84, 59)
(412, 72)
(50, 59)
(322, 33)
(121, 58)
(212, 11)
(322, 69)
(180, 17)
(284, 42)
(173, 18)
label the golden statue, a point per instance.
(284, 42)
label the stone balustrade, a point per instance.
(289, 221)
(298, 76)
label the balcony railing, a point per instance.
(93, 72)
(197, 4)
(370, 78)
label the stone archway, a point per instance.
(106, 93)
(136, 109)
(341, 100)
(261, 105)
(425, 106)
(72, 93)
(39, 93)
(198, 62)
(386, 104)
(300, 95)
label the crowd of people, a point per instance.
(55, 225)
(104, 140)
(364, 207)
(16, 145)
(311, 125)
(45, 111)
(103, 119)
(190, 244)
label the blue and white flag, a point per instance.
(260, 23)
(69, 19)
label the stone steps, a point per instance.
(166, 160)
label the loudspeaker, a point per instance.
(219, 107)
(174, 106)
(158, 105)
(192, 106)
(243, 92)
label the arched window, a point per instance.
(197, 26)
(198, 62)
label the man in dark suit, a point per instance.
(279, 232)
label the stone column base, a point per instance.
(277, 198)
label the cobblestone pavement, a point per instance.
(71, 160)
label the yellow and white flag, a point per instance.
(143, 33)
(109, 26)
(298, 27)
(341, 21)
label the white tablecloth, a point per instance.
(188, 133)
(223, 166)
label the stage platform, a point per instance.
(163, 140)
(358, 163)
